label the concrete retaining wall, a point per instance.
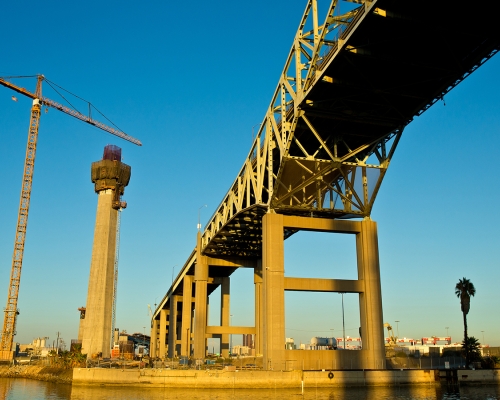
(489, 376)
(328, 359)
(248, 379)
(271, 379)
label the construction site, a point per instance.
(316, 163)
(110, 177)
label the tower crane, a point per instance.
(392, 338)
(11, 310)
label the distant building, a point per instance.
(290, 344)
(40, 347)
(248, 340)
(242, 350)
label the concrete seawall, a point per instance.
(224, 379)
(250, 379)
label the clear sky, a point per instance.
(190, 80)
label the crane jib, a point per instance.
(51, 103)
(89, 120)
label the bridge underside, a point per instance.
(350, 86)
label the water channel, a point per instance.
(24, 389)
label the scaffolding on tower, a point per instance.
(115, 282)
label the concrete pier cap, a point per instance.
(111, 173)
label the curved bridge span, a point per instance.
(350, 85)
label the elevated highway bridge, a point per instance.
(351, 84)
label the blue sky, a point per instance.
(190, 79)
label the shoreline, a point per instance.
(39, 373)
(224, 379)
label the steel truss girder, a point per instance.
(339, 187)
(337, 113)
(264, 171)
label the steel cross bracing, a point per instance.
(350, 85)
(312, 179)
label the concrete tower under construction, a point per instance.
(110, 176)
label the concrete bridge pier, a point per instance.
(172, 328)
(274, 285)
(110, 177)
(187, 310)
(225, 315)
(164, 314)
(154, 343)
(200, 310)
(259, 312)
(370, 300)
(273, 291)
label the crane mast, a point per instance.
(11, 310)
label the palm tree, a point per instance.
(474, 349)
(464, 289)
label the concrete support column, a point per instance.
(110, 177)
(192, 326)
(82, 323)
(273, 268)
(153, 339)
(163, 333)
(96, 336)
(259, 323)
(208, 313)
(225, 315)
(172, 327)
(370, 302)
(187, 304)
(200, 308)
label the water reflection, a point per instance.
(5, 385)
(352, 393)
(20, 389)
(24, 389)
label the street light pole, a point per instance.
(172, 274)
(343, 322)
(199, 209)
(483, 337)
(397, 327)
(230, 336)
(447, 331)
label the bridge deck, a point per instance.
(390, 63)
